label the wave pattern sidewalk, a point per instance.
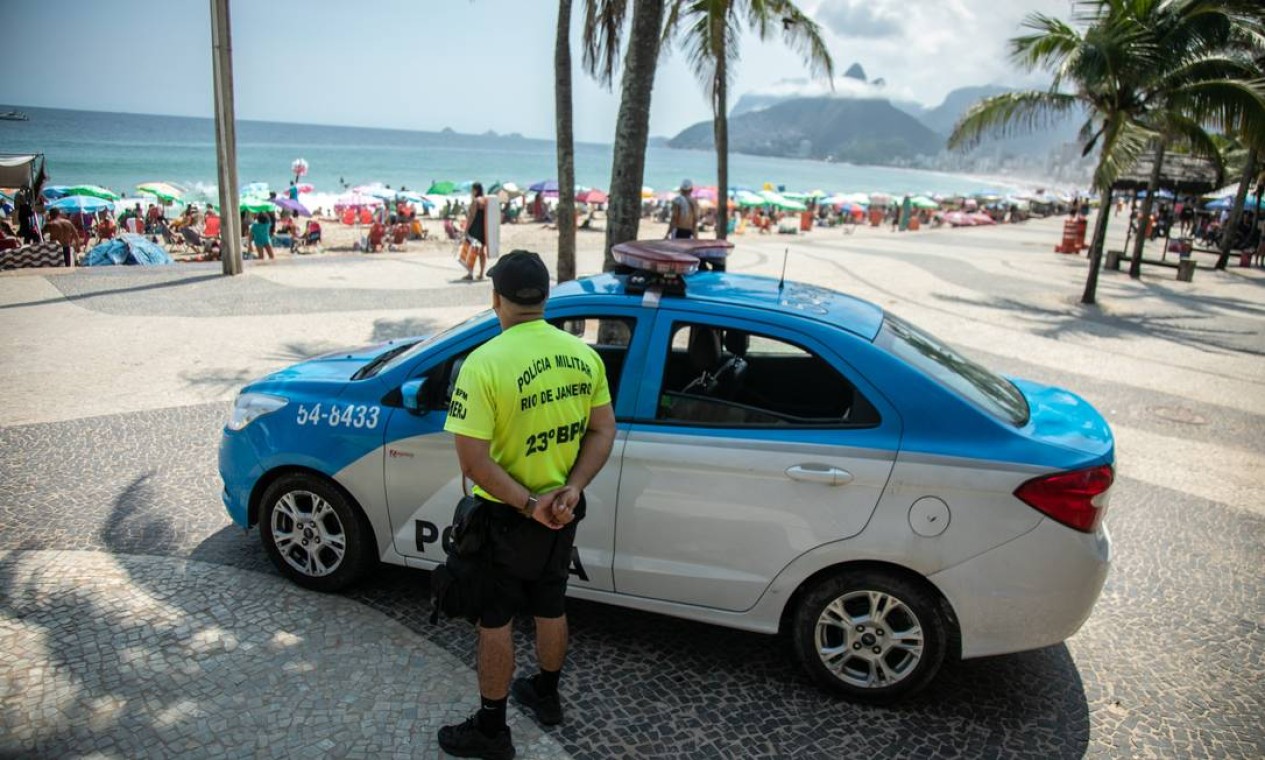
(131, 656)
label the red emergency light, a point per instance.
(664, 263)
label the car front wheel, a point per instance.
(313, 533)
(870, 635)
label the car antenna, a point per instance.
(782, 282)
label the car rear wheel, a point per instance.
(313, 533)
(870, 635)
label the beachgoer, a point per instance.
(683, 220)
(294, 192)
(28, 226)
(906, 209)
(261, 235)
(533, 497)
(287, 234)
(105, 226)
(476, 229)
(62, 231)
(377, 233)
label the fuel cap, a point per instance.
(929, 516)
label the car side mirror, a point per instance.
(411, 395)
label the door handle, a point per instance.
(819, 473)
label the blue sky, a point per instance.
(472, 65)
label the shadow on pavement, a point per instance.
(394, 329)
(1205, 331)
(72, 298)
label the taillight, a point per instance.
(1077, 499)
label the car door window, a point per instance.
(716, 375)
(609, 336)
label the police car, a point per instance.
(788, 458)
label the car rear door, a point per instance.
(720, 494)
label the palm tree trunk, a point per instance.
(566, 144)
(1096, 245)
(1152, 185)
(632, 129)
(720, 125)
(1236, 212)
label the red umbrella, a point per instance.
(592, 196)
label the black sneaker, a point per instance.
(548, 709)
(466, 740)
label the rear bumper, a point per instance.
(1028, 593)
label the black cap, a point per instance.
(520, 276)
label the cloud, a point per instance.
(859, 18)
(845, 87)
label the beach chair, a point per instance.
(366, 216)
(170, 239)
(349, 216)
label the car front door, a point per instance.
(422, 476)
(752, 444)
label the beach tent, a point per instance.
(127, 249)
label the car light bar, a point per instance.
(664, 263)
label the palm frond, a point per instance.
(1123, 142)
(603, 35)
(1225, 104)
(800, 33)
(1051, 43)
(1008, 114)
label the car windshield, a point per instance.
(994, 393)
(421, 345)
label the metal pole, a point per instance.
(226, 138)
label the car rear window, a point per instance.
(997, 395)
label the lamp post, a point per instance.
(225, 138)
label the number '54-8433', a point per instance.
(352, 415)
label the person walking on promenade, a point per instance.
(477, 229)
(506, 397)
(683, 220)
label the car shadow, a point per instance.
(703, 691)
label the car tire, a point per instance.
(314, 534)
(870, 635)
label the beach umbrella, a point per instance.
(82, 204)
(298, 168)
(647, 192)
(817, 194)
(592, 196)
(922, 201)
(305, 187)
(356, 200)
(708, 193)
(52, 192)
(255, 205)
(442, 187)
(545, 186)
(292, 206)
(163, 191)
(795, 196)
(96, 191)
(780, 201)
(748, 199)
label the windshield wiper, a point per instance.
(370, 369)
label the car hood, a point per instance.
(1060, 417)
(336, 366)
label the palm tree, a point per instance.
(710, 30)
(1119, 70)
(1207, 82)
(566, 143)
(603, 28)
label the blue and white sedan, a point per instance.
(788, 458)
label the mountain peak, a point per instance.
(856, 72)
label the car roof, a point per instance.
(796, 299)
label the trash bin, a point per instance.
(1113, 260)
(1185, 269)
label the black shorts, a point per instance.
(528, 566)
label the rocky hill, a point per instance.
(837, 129)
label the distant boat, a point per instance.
(14, 116)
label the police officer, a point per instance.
(531, 414)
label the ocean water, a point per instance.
(119, 150)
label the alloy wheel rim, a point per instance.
(869, 639)
(308, 533)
